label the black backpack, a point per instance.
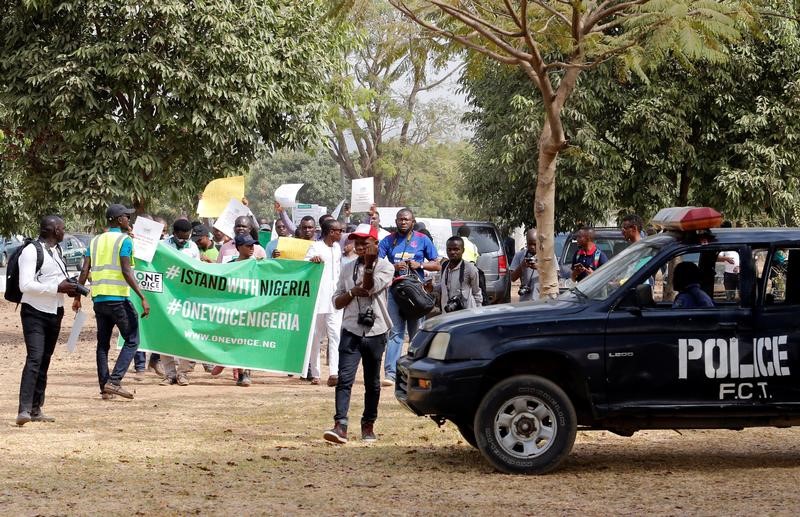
(13, 294)
(412, 299)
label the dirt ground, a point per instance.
(212, 447)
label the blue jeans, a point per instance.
(140, 360)
(368, 350)
(124, 317)
(396, 335)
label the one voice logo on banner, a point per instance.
(149, 281)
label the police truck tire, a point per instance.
(525, 425)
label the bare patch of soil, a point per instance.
(212, 447)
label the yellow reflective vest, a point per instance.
(107, 279)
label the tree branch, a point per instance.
(400, 6)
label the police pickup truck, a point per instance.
(617, 353)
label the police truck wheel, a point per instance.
(525, 425)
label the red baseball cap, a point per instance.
(364, 231)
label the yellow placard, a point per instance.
(291, 248)
(218, 193)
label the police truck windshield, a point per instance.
(614, 273)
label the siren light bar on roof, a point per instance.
(687, 218)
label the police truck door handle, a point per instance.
(728, 325)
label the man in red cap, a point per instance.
(361, 292)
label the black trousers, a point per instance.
(40, 330)
(369, 351)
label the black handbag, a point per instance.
(412, 299)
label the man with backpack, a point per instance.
(40, 286)
(110, 260)
(588, 256)
(411, 253)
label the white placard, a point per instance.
(146, 236)
(362, 195)
(286, 194)
(441, 230)
(77, 325)
(388, 214)
(228, 216)
(301, 210)
(338, 209)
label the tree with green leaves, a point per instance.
(129, 100)
(693, 134)
(553, 43)
(390, 67)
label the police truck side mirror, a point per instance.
(638, 298)
(644, 295)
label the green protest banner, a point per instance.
(255, 314)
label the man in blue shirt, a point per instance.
(409, 252)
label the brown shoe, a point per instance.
(116, 389)
(157, 368)
(107, 396)
(367, 432)
(182, 380)
(315, 381)
(337, 435)
(333, 380)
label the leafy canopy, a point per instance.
(131, 100)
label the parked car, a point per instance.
(85, 238)
(620, 351)
(74, 250)
(7, 247)
(492, 260)
(609, 240)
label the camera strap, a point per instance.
(355, 276)
(461, 268)
(60, 255)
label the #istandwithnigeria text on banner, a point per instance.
(254, 314)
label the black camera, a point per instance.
(454, 304)
(80, 289)
(524, 290)
(530, 258)
(366, 318)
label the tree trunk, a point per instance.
(544, 212)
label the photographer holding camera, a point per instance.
(525, 268)
(43, 286)
(361, 292)
(457, 284)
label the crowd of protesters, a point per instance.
(357, 314)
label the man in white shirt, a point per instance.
(43, 290)
(181, 240)
(327, 251)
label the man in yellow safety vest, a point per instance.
(109, 258)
